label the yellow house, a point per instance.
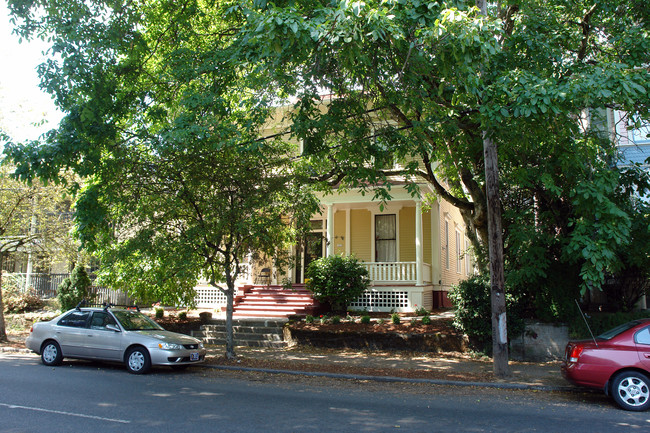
(414, 251)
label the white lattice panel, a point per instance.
(378, 300)
(209, 297)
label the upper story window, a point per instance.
(641, 134)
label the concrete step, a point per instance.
(242, 329)
(256, 323)
(239, 337)
(251, 333)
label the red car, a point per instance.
(617, 362)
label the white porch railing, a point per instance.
(404, 272)
(245, 276)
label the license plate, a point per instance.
(194, 356)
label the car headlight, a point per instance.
(170, 346)
(200, 345)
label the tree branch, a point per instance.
(586, 31)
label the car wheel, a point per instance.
(51, 353)
(631, 390)
(138, 360)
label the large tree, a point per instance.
(423, 80)
(163, 125)
(429, 83)
(34, 220)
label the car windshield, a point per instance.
(136, 321)
(608, 335)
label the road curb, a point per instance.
(387, 379)
(394, 379)
(14, 350)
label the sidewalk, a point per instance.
(451, 368)
(448, 369)
(456, 368)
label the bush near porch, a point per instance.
(337, 280)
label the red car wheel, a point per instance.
(631, 390)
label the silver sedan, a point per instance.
(113, 334)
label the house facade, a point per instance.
(633, 143)
(415, 248)
(414, 251)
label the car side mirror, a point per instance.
(113, 328)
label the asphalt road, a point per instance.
(84, 397)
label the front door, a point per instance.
(314, 243)
(310, 248)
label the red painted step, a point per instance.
(274, 301)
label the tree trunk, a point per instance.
(3, 329)
(230, 340)
(497, 279)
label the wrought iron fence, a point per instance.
(43, 285)
(46, 285)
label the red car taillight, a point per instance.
(575, 353)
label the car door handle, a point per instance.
(647, 355)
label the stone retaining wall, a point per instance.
(435, 342)
(540, 342)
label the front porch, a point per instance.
(394, 288)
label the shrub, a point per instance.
(337, 280)
(205, 316)
(160, 313)
(421, 311)
(395, 319)
(365, 319)
(22, 303)
(75, 289)
(182, 315)
(426, 320)
(601, 322)
(471, 298)
(336, 320)
(309, 318)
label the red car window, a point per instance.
(643, 336)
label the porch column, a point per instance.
(419, 250)
(330, 230)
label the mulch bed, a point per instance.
(437, 326)
(293, 365)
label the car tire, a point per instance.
(51, 353)
(137, 360)
(631, 390)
